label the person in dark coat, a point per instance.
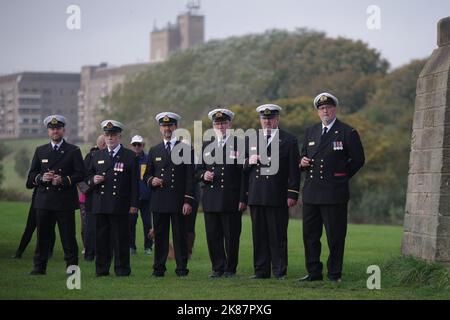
(113, 180)
(88, 220)
(138, 145)
(31, 226)
(172, 198)
(224, 194)
(55, 170)
(274, 182)
(332, 154)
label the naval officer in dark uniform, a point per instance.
(113, 179)
(172, 198)
(224, 193)
(271, 195)
(55, 170)
(332, 153)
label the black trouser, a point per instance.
(269, 229)
(161, 221)
(223, 231)
(144, 207)
(45, 224)
(190, 227)
(113, 238)
(334, 218)
(29, 230)
(89, 249)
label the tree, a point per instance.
(21, 162)
(4, 151)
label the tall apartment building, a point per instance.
(97, 83)
(188, 31)
(26, 98)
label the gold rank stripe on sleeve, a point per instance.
(189, 197)
(290, 190)
(70, 180)
(148, 180)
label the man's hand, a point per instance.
(98, 179)
(48, 176)
(187, 209)
(291, 202)
(133, 210)
(208, 176)
(156, 182)
(242, 206)
(254, 159)
(305, 162)
(56, 181)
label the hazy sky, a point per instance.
(34, 36)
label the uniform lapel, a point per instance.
(334, 131)
(119, 155)
(316, 138)
(105, 157)
(165, 158)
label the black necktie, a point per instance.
(111, 154)
(168, 147)
(268, 138)
(55, 148)
(325, 130)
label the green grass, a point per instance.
(366, 245)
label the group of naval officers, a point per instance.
(331, 154)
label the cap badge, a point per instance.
(166, 119)
(54, 121)
(109, 125)
(267, 111)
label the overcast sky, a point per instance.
(34, 36)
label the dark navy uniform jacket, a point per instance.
(120, 190)
(274, 190)
(229, 186)
(178, 185)
(66, 162)
(335, 158)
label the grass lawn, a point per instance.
(366, 245)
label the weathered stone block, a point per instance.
(427, 209)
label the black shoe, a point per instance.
(280, 277)
(102, 274)
(123, 274)
(17, 256)
(182, 274)
(157, 274)
(309, 278)
(229, 274)
(216, 274)
(259, 276)
(37, 272)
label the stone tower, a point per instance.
(427, 216)
(188, 31)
